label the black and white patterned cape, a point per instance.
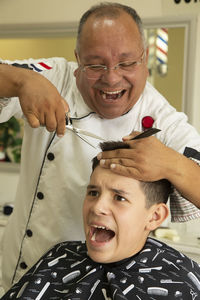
(66, 272)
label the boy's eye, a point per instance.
(93, 193)
(119, 198)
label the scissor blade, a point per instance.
(85, 140)
(90, 134)
(146, 133)
(75, 131)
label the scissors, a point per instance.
(79, 132)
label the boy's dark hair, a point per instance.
(155, 192)
(110, 9)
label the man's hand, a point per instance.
(42, 105)
(40, 101)
(147, 159)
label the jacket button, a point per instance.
(40, 195)
(23, 265)
(50, 156)
(29, 232)
(8, 209)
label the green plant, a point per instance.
(10, 139)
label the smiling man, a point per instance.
(107, 94)
(118, 260)
(113, 67)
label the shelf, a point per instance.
(9, 167)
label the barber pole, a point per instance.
(162, 50)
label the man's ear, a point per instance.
(76, 55)
(146, 60)
(158, 213)
(147, 55)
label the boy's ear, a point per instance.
(158, 213)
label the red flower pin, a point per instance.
(147, 122)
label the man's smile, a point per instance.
(112, 94)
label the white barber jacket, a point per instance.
(55, 171)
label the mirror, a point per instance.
(166, 60)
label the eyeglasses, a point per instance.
(125, 67)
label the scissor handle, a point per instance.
(146, 133)
(68, 119)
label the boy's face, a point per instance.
(115, 216)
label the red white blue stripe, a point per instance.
(41, 66)
(162, 46)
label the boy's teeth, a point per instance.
(101, 234)
(93, 237)
(101, 227)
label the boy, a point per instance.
(118, 260)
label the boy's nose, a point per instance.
(101, 206)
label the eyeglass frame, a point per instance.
(116, 67)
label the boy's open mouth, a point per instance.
(101, 234)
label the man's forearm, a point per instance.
(186, 179)
(40, 100)
(12, 79)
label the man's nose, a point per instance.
(112, 76)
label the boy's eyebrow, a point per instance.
(92, 186)
(120, 192)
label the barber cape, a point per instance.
(66, 272)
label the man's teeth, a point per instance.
(112, 93)
(106, 95)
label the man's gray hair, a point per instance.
(110, 9)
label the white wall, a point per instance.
(196, 102)
(46, 11)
